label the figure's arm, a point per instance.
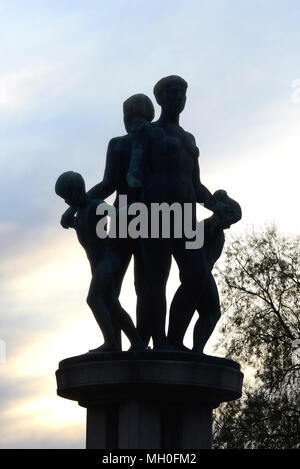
(203, 194)
(137, 159)
(111, 174)
(68, 218)
(189, 143)
(105, 188)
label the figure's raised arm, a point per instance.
(138, 155)
(111, 173)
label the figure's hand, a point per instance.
(226, 209)
(134, 179)
(220, 208)
(67, 219)
(221, 214)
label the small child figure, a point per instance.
(104, 261)
(208, 305)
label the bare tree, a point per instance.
(260, 329)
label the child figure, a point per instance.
(104, 261)
(207, 306)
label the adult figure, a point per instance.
(137, 110)
(165, 164)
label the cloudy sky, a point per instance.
(66, 66)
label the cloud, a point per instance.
(24, 87)
(32, 416)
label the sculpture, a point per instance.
(136, 109)
(155, 163)
(104, 258)
(168, 158)
(208, 305)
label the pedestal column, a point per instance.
(149, 400)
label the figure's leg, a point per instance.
(120, 254)
(127, 325)
(178, 322)
(113, 270)
(101, 313)
(156, 256)
(123, 248)
(143, 322)
(209, 314)
(193, 270)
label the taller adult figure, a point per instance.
(164, 163)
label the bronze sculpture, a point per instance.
(155, 163)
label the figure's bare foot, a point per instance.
(163, 344)
(137, 347)
(106, 348)
(182, 348)
(198, 350)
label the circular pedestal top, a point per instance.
(172, 376)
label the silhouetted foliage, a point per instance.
(260, 302)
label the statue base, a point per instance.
(149, 400)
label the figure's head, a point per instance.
(136, 109)
(71, 187)
(233, 211)
(221, 195)
(170, 93)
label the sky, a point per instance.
(65, 69)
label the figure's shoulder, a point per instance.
(144, 132)
(90, 208)
(191, 143)
(155, 129)
(189, 136)
(118, 143)
(89, 216)
(116, 140)
(93, 203)
(146, 127)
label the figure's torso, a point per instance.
(169, 166)
(85, 225)
(122, 148)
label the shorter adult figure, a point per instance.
(137, 109)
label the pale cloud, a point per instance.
(23, 88)
(43, 423)
(262, 173)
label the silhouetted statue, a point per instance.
(137, 109)
(104, 259)
(165, 163)
(207, 305)
(155, 163)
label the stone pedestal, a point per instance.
(149, 400)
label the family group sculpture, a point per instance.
(154, 163)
